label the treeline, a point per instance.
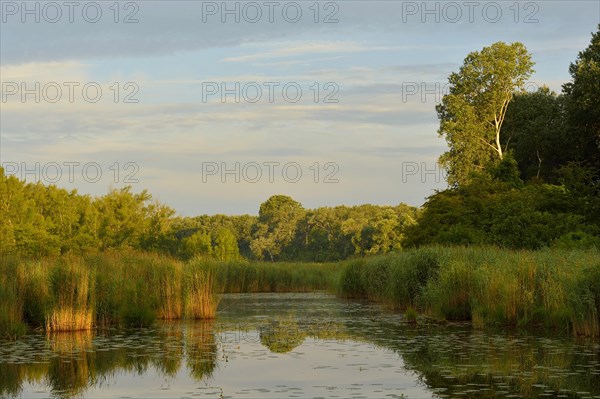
(524, 168)
(39, 220)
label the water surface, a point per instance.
(300, 345)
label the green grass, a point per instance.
(11, 301)
(554, 289)
(489, 286)
(243, 276)
(72, 293)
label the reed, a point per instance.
(489, 286)
(72, 296)
(201, 300)
(12, 324)
(168, 281)
(72, 293)
(244, 276)
(550, 288)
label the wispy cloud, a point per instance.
(284, 50)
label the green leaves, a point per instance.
(583, 103)
(536, 132)
(278, 220)
(472, 114)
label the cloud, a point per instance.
(45, 71)
(283, 50)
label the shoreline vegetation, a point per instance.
(487, 286)
(547, 289)
(75, 293)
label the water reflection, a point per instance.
(282, 335)
(261, 343)
(201, 350)
(68, 364)
(71, 369)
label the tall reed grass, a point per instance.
(201, 298)
(72, 293)
(244, 276)
(11, 300)
(71, 305)
(554, 289)
(488, 286)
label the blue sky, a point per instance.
(374, 145)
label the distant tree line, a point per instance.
(39, 220)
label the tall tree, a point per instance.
(472, 113)
(535, 130)
(583, 103)
(278, 219)
(225, 245)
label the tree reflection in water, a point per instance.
(201, 349)
(451, 360)
(70, 363)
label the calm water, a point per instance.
(299, 345)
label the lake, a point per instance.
(311, 345)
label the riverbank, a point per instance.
(488, 286)
(73, 293)
(549, 289)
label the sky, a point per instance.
(215, 106)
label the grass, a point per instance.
(74, 293)
(71, 305)
(244, 276)
(552, 289)
(201, 299)
(11, 301)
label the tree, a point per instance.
(225, 245)
(322, 235)
(492, 212)
(157, 236)
(13, 203)
(535, 130)
(583, 103)
(472, 113)
(278, 219)
(122, 218)
(198, 243)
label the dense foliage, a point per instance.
(39, 220)
(544, 188)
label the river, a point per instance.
(311, 345)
